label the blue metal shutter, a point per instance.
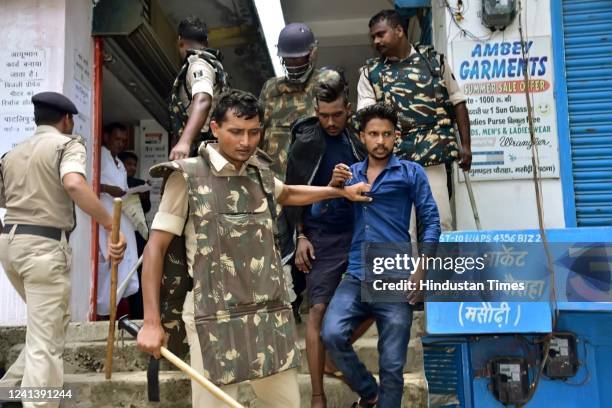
(442, 368)
(587, 26)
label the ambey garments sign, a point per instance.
(491, 74)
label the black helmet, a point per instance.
(295, 40)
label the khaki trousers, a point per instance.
(436, 175)
(39, 270)
(276, 391)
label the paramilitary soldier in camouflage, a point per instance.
(200, 79)
(423, 90)
(288, 98)
(238, 317)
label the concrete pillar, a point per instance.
(47, 46)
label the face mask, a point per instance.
(298, 74)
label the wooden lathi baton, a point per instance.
(133, 329)
(110, 341)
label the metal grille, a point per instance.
(587, 26)
(442, 368)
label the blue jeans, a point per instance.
(344, 313)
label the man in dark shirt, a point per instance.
(396, 186)
(130, 162)
(323, 240)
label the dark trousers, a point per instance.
(344, 313)
(135, 300)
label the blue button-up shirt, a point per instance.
(386, 218)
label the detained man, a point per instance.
(322, 240)
(396, 186)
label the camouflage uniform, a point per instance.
(242, 313)
(415, 86)
(180, 97)
(283, 103)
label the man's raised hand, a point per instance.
(341, 174)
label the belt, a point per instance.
(39, 230)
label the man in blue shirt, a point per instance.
(396, 186)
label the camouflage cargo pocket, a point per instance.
(247, 241)
(248, 345)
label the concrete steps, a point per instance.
(130, 390)
(89, 357)
(84, 357)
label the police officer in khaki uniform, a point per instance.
(40, 181)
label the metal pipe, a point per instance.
(126, 281)
(468, 185)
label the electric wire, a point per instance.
(585, 363)
(538, 192)
(460, 10)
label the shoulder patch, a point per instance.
(199, 73)
(164, 169)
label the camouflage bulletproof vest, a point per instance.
(283, 104)
(415, 87)
(177, 109)
(242, 313)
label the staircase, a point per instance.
(85, 352)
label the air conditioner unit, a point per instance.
(140, 50)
